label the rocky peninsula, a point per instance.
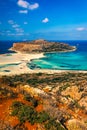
(41, 46)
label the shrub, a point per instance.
(24, 112)
(42, 117)
(28, 97)
(27, 113)
(17, 104)
(53, 125)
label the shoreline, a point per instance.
(17, 58)
(21, 59)
(74, 49)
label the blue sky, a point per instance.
(43, 19)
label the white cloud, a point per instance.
(33, 6)
(15, 25)
(10, 21)
(25, 22)
(23, 11)
(15, 34)
(81, 29)
(46, 20)
(27, 5)
(19, 30)
(23, 3)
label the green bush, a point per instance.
(28, 113)
(24, 112)
(53, 125)
(17, 104)
(42, 117)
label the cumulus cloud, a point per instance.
(23, 11)
(23, 3)
(45, 20)
(81, 29)
(33, 6)
(27, 5)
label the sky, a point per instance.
(43, 19)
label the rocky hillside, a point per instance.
(41, 46)
(43, 102)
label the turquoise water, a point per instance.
(76, 60)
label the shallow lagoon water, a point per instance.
(76, 60)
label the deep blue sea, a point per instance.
(76, 60)
(5, 45)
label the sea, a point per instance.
(75, 60)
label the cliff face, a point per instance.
(41, 46)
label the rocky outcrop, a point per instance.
(38, 46)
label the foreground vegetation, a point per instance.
(28, 113)
(43, 101)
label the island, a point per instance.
(42, 46)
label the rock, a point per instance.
(76, 125)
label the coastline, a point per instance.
(74, 49)
(17, 58)
(22, 59)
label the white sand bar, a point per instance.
(21, 60)
(15, 58)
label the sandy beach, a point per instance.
(16, 63)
